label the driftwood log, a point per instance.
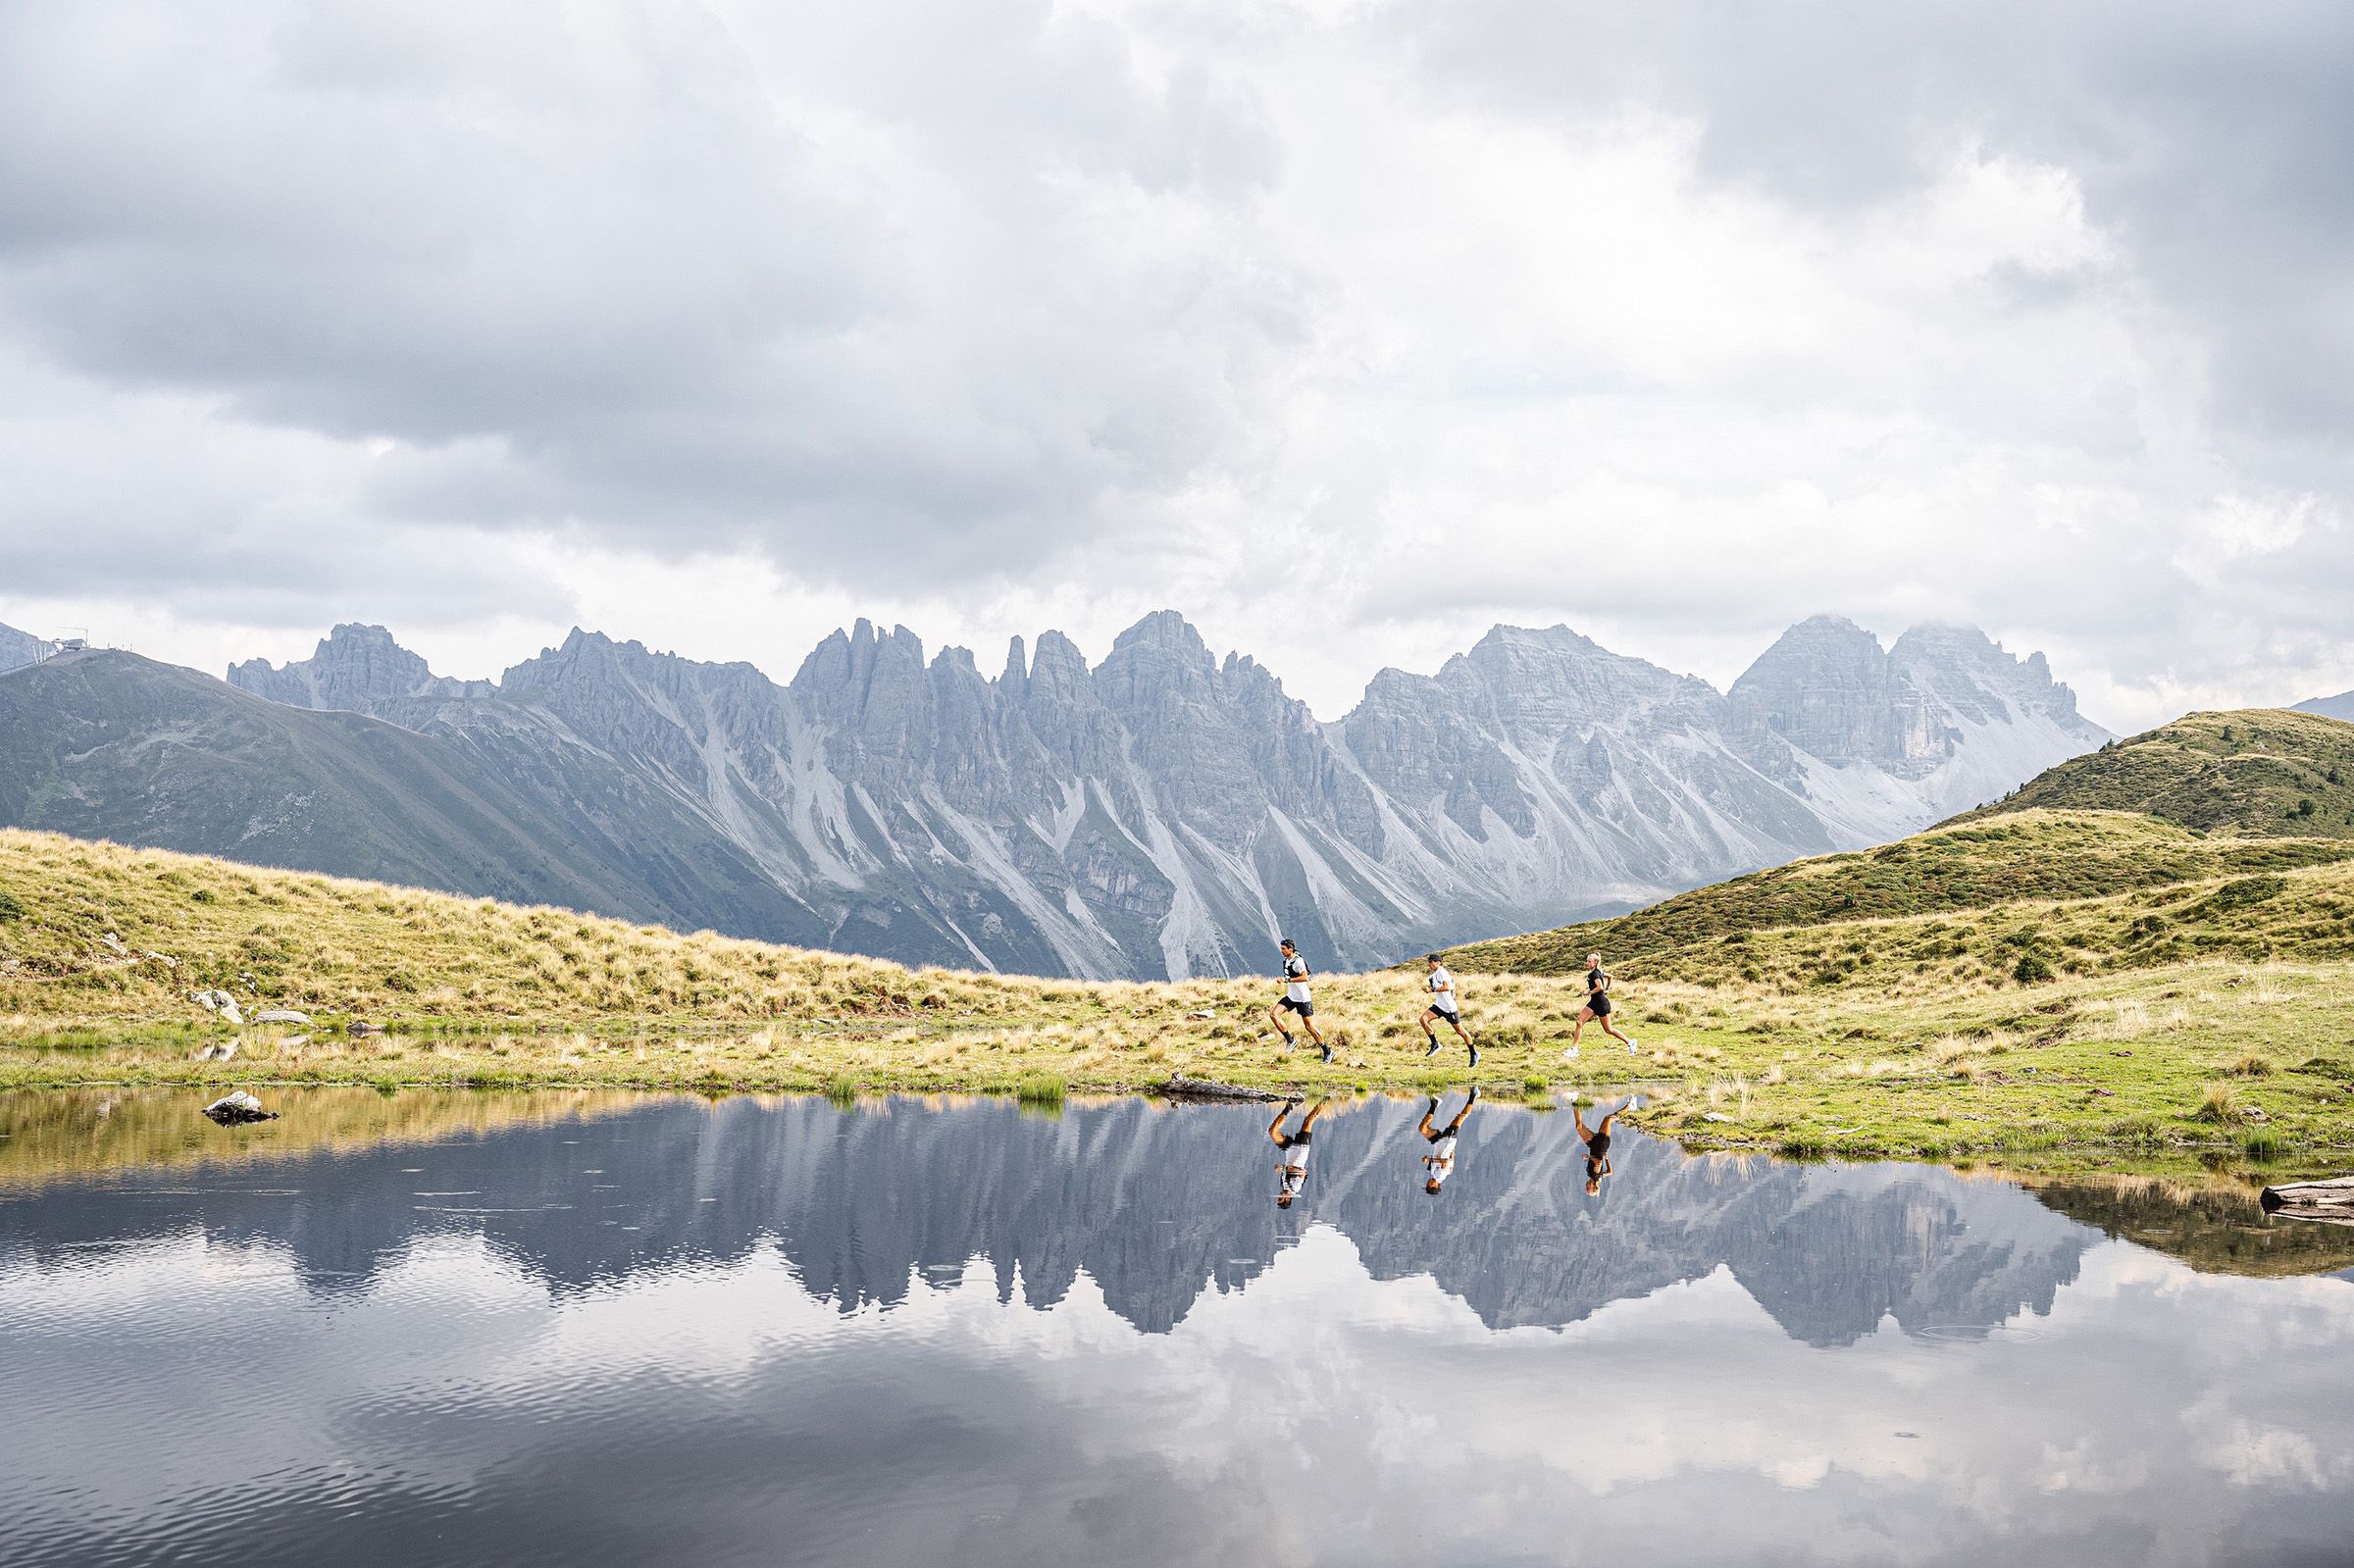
(2331, 1202)
(1201, 1088)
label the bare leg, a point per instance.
(1314, 1111)
(1275, 1017)
(1275, 1130)
(1609, 1028)
(1424, 1129)
(1309, 1025)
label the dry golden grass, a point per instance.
(482, 994)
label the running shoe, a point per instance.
(1474, 1056)
(1569, 1055)
(1434, 1046)
(1631, 1042)
(1327, 1050)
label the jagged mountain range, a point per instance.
(1160, 813)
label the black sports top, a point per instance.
(1597, 983)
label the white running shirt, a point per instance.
(1441, 1158)
(1294, 970)
(1442, 989)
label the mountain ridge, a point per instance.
(1166, 812)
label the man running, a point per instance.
(1598, 1142)
(1290, 1171)
(1444, 1008)
(1440, 1161)
(1296, 999)
(1597, 1009)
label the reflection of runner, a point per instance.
(1440, 1161)
(1598, 1142)
(1445, 1008)
(1296, 999)
(1598, 1008)
(1292, 1169)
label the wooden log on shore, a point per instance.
(2312, 1200)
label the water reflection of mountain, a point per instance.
(1151, 1204)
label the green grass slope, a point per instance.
(2264, 772)
(2119, 869)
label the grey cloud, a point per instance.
(2217, 141)
(680, 282)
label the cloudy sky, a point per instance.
(1348, 328)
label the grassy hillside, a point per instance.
(2014, 900)
(2262, 772)
(2164, 1033)
(102, 933)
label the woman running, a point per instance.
(1598, 1009)
(1597, 1144)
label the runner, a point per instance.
(1296, 999)
(1440, 1161)
(1292, 1169)
(1598, 1142)
(1597, 1009)
(1444, 1008)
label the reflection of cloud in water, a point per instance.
(1324, 1415)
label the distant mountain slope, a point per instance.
(2340, 706)
(2262, 770)
(111, 745)
(1166, 812)
(19, 648)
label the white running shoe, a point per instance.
(1631, 1046)
(1569, 1055)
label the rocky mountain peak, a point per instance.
(1826, 687)
(359, 669)
(1965, 668)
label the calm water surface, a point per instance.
(630, 1330)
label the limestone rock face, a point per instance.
(19, 648)
(357, 669)
(1169, 812)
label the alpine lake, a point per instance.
(441, 1326)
